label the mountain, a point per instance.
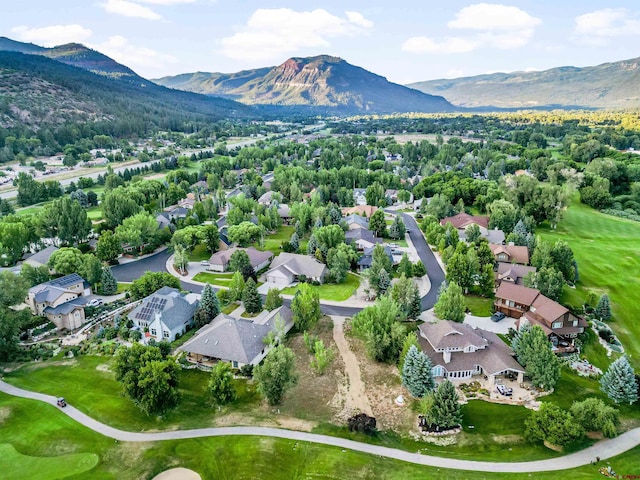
(36, 91)
(610, 85)
(74, 54)
(323, 82)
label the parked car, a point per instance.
(496, 317)
(504, 390)
(96, 302)
(61, 402)
(204, 263)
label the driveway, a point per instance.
(486, 323)
(604, 449)
(128, 272)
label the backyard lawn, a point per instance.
(478, 306)
(273, 242)
(607, 250)
(331, 291)
(94, 213)
(199, 253)
(219, 279)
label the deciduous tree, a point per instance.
(450, 304)
(221, 384)
(305, 307)
(276, 374)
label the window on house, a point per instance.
(556, 325)
(234, 364)
(165, 334)
(511, 303)
(575, 323)
(153, 332)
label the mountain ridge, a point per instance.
(323, 81)
(608, 85)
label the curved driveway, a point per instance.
(604, 449)
(157, 263)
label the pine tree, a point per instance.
(384, 282)
(445, 410)
(416, 373)
(419, 269)
(251, 298)
(397, 228)
(294, 241)
(415, 309)
(619, 382)
(410, 340)
(209, 303)
(603, 309)
(312, 246)
(108, 283)
(405, 266)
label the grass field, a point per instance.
(199, 253)
(479, 306)
(607, 250)
(38, 430)
(331, 291)
(273, 242)
(220, 279)
(16, 465)
(123, 287)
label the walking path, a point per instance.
(356, 397)
(604, 449)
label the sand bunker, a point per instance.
(178, 474)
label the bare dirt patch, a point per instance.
(103, 367)
(5, 413)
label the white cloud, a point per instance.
(166, 2)
(273, 33)
(52, 35)
(129, 9)
(135, 57)
(600, 26)
(496, 26)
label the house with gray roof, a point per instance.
(359, 196)
(458, 352)
(362, 238)
(165, 314)
(61, 301)
(239, 341)
(366, 259)
(219, 261)
(42, 257)
(288, 268)
(354, 221)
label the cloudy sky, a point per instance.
(404, 40)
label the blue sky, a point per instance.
(402, 40)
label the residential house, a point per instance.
(61, 301)
(366, 259)
(529, 306)
(417, 204)
(362, 210)
(459, 352)
(42, 257)
(266, 198)
(391, 196)
(219, 261)
(175, 212)
(463, 220)
(512, 273)
(165, 314)
(356, 221)
(285, 213)
(359, 197)
(188, 202)
(239, 341)
(288, 268)
(362, 238)
(510, 253)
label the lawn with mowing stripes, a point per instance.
(331, 291)
(607, 250)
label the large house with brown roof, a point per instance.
(362, 210)
(458, 352)
(510, 253)
(512, 273)
(463, 220)
(530, 307)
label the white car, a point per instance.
(204, 263)
(96, 302)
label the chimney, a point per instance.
(446, 356)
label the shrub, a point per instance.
(362, 423)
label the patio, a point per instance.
(522, 393)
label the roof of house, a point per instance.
(363, 210)
(358, 220)
(448, 334)
(42, 257)
(367, 256)
(513, 270)
(173, 307)
(495, 236)
(66, 281)
(495, 358)
(236, 339)
(463, 220)
(516, 253)
(361, 234)
(67, 307)
(163, 219)
(266, 198)
(298, 265)
(284, 210)
(517, 293)
(256, 257)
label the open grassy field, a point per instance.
(40, 430)
(331, 291)
(16, 465)
(273, 242)
(607, 250)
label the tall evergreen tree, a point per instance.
(445, 410)
(209, 303)
(619, 382)
(416, 373)
(251, 298)
(410, 340)
(397, 228)
(294, 241)
(533, 349)
(603, 309)
(108, 283)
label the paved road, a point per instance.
(157, 263)
(604, 449)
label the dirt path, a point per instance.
(355, 396)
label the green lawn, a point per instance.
(199, 253)
(273, 242)
(123, 287)
(39, 430)
(331, 291)
(219, 279)
(101, 398)
(95, 213)
(479, 306)
(494, 419)
(607, 250)
(230, 308)
(16, 465)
